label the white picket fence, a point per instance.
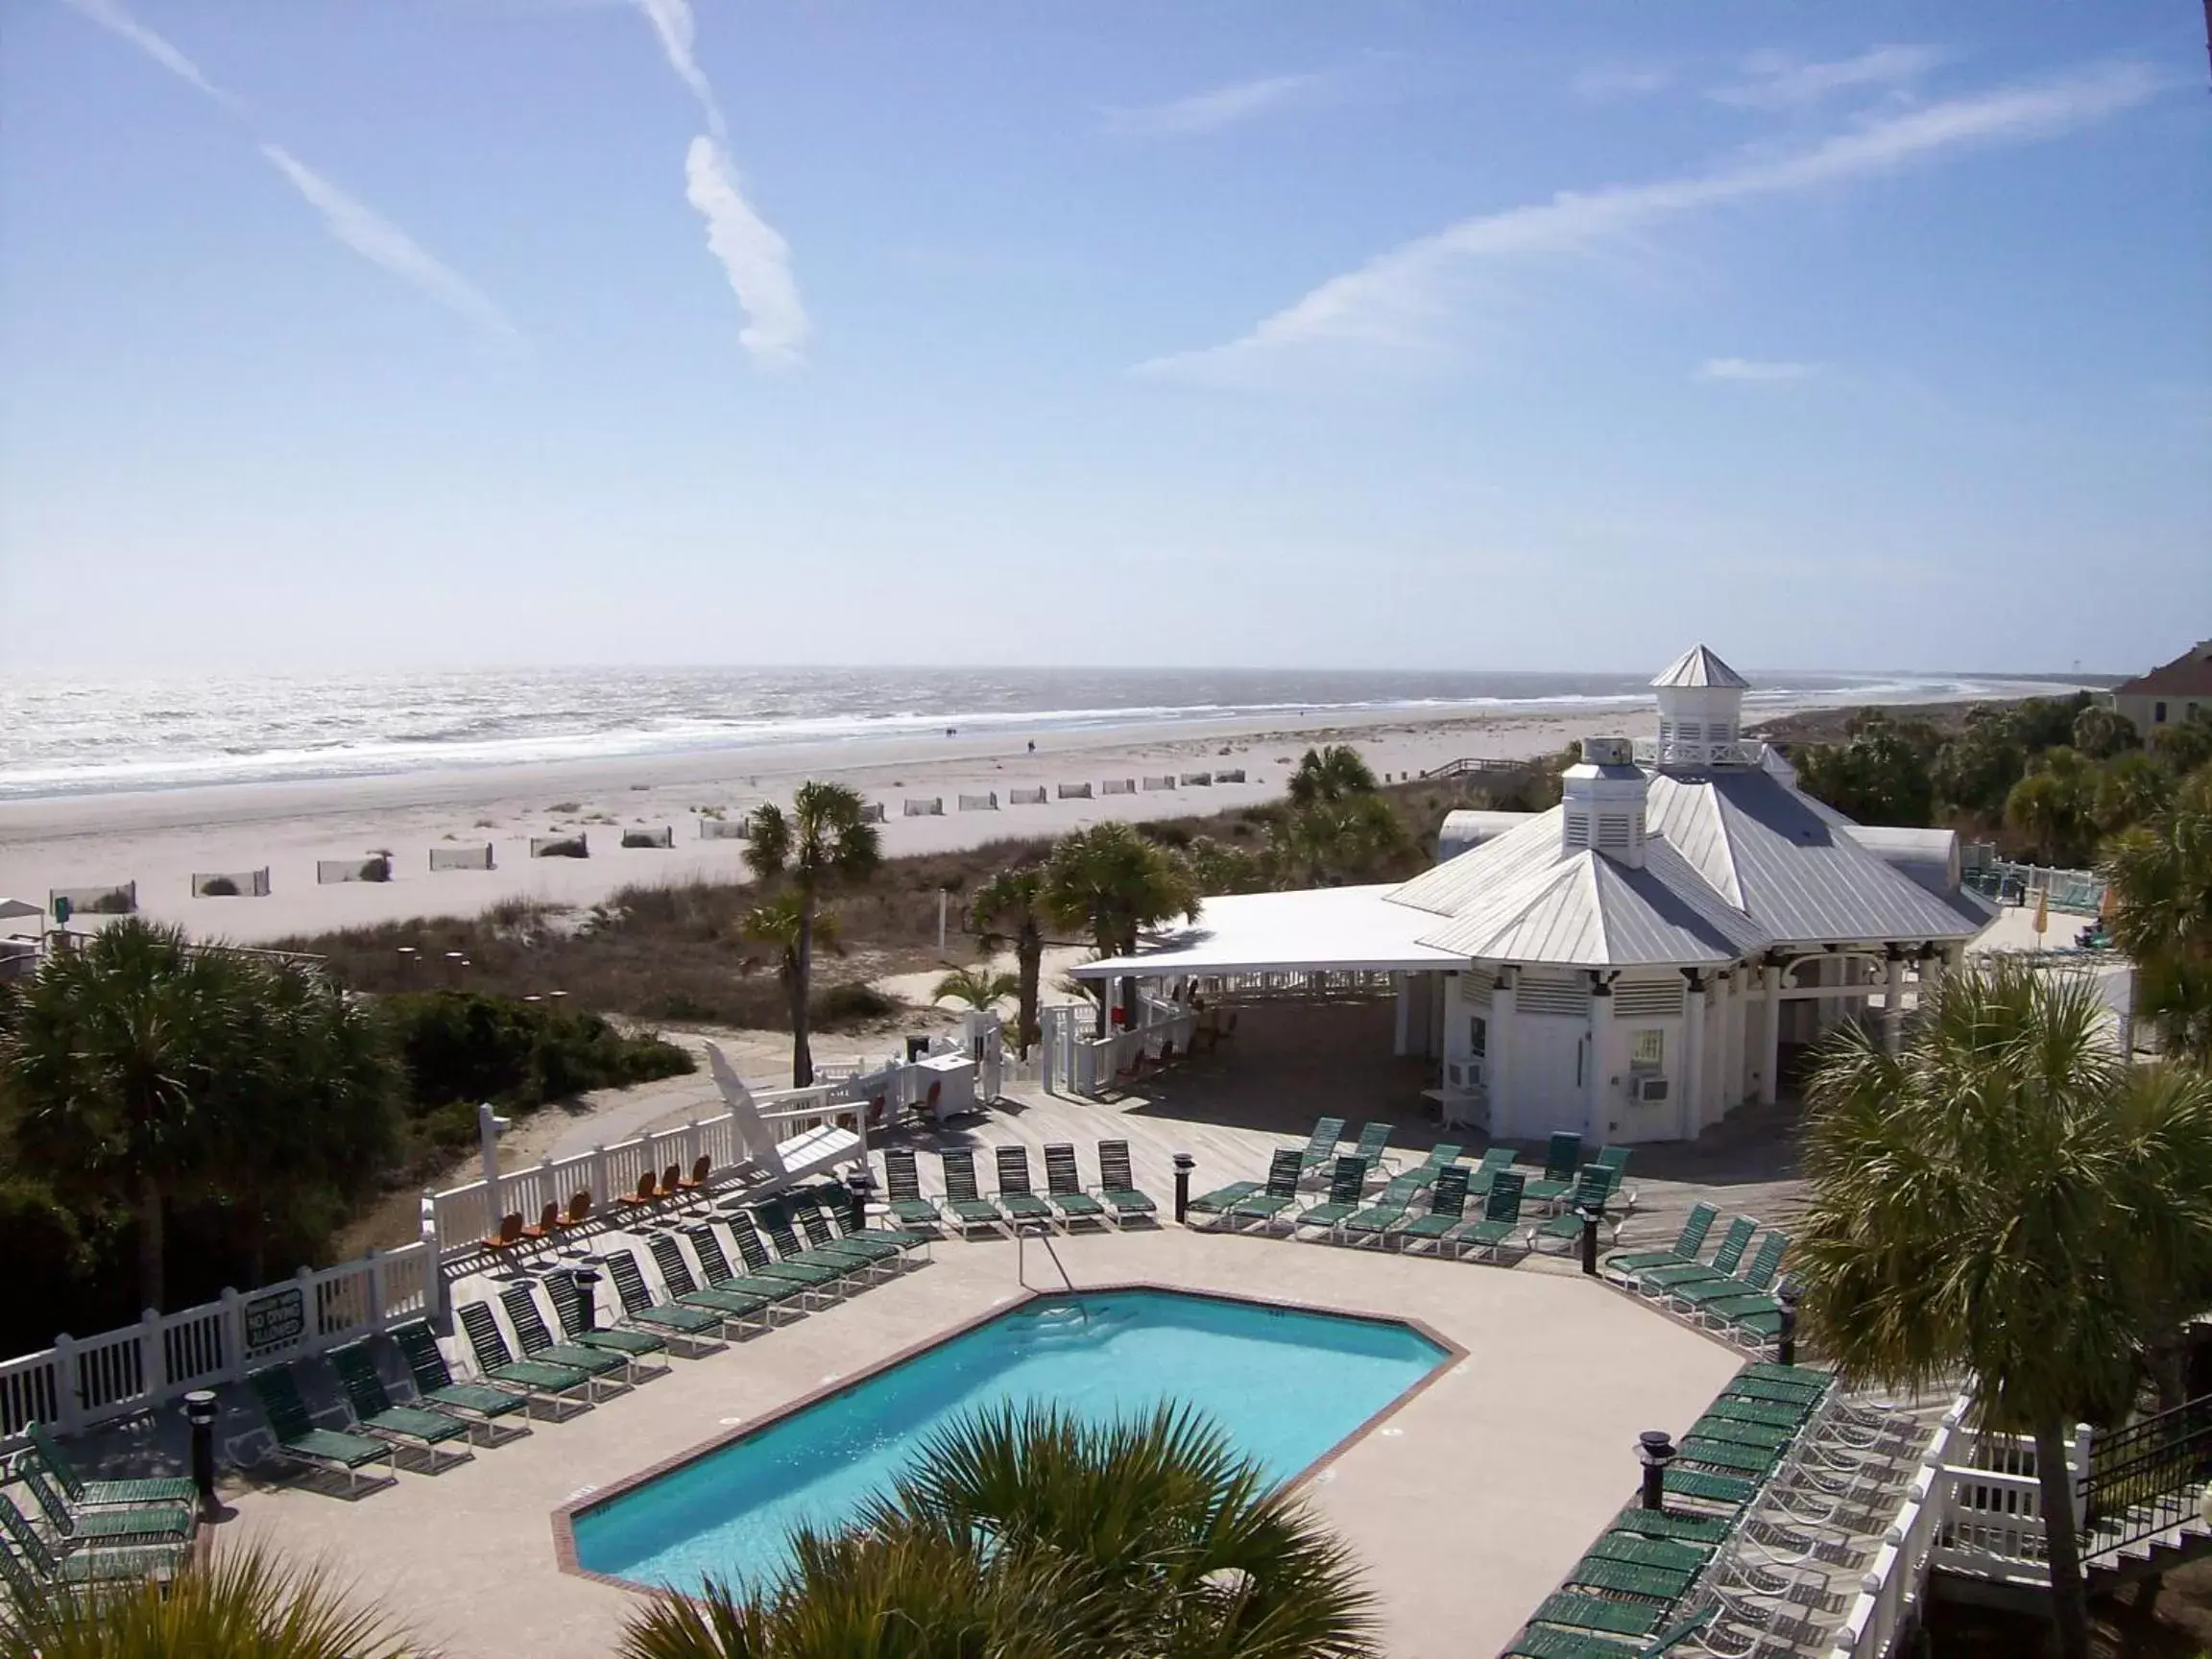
(80, 1383)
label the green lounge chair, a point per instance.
(1592, 1190)
(1662, 1584)
(1550, 1642)
(1320, 1145)
(1494, 1162)
(1346, 1182)
(298, 1438)
(1707, 1486)
(1118, 1186)
(1727, 1256)
(496, 1361)
(835, 1202)
(902, 1192)
(1759, 1436)
(434, 1383)
(1729, 1456)
(818, 1279)
(1445, 1214)
(1403, 1189)
(1639, 1550)
(1393, 1210)
(1687, 1244)
(1756, 1275)
(569, 1308)
(1213, 1203)
(1813, 1382)
(1615, 1159)
(820, 1219)
(964, 1201)
(1016, 1197)
(1760, 1411)
(1267, 1207)
(1500, 1217)
(31, 1566)
(702, 1327)
(1374, 1145)
(1064, 1187)
(854, 1257)
(1602, 1613)
(720, 1291)
(1562, 1161)
(374, 1413)
(1710, 1530)
(141, 1523)
(84, 1494)
(1748, 1388)
(536, 1339)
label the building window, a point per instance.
(1647, 1051)
(2158, 714)
(1478, 1037)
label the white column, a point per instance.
(1728, 1062)
(1893, 1001)
(1403, 989)
(1689, 1113)
(1595, 1113)
(1498, 1068)
(1769, 1032)
(1433, 1034)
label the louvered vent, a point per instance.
(1660, 1000)
(1568, 998)
(1578, 832)
(1476, 984)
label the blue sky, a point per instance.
(437, 332)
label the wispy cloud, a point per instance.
(1216, 107)
(377, 239)
(1610, 83)
(1776, 81)
(756, 259)
(1754, 371)
(358, 227)
(754, 254)
(1394, 299)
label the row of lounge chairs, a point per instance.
(1064, 1202)
(1398, 1216)
(88, 1532)
(1729, 1293)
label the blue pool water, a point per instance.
(1285, 1385)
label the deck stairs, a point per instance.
(2142, 1498)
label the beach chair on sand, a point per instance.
(1064, 1187)
(86, 1494)
(1562, 1159)
(964, 1203)
(1346, 1182)
(1625, 1264)
(1321, 1146)
(1727, 1256)
(902, 1189)
(1446, 1213)
(569, 1308)
(496, 1361)
(1271, 1203)
(1117, 1186)
(298, 1438)
(31, 1565)
(434, 1383)
(1501, 1218)
(700, 1327)
(1016, 1199)
(374, 1413)
(537, 1342)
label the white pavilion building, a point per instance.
(1632, 964)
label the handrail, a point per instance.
(2145, 1478)
(1480, 763)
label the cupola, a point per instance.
(1701, 712)
(1603, 801)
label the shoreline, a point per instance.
(159, 838)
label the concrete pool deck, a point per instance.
(1465, 1505)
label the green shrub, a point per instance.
(574, 846)
(459, 1047)
(851, 1004)
(218, 887)
(642, 838)
(378, 868)
(115, 902)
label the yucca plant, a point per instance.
(976, 987)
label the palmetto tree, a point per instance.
(1112, 882)
(1359, 837)
(1029, 1533)
(1332, 773)
(1974, 1209)
(825, 840)
(977, 987)
(785, 922)
(1010, 904)
(2161, 883)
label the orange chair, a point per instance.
(702, 1167)
(510, 1233)
(579, 1210)
(646, 1193)
(548, 1223)
(672, 1181)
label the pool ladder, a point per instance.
(1022, 1261)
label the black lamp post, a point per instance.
(1654, 1450)
(1184, 1165)
(861, 1184)
(587, 1283)
(1786, 1322)
(1591, 1215)
(200, 1410)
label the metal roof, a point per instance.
(1700, 666)
(1795, 870)
(1343, 927)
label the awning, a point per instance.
(11, 908)
(1347, 928)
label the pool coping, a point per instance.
(563, 1517)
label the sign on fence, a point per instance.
(275, 1319)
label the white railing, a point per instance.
(1681, 751)
(1974, 1508)
(81, 1382)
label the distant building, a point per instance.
(2170, 693)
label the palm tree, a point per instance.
(2052, 808)
(244, 1602)
(1112, 880)
(1972, 1212)
(1009, 903)
(977, 987)
(823, 841)
(785, 922)
(1356, 838)
(1028, 1532)
(1334, 773)
(2160, 873)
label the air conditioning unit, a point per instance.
(1649, 1091)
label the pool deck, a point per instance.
(1466, 1505)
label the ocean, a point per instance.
(79, 735)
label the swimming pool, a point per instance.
(727, 1512)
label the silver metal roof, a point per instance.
(1700, 666)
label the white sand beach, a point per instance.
(159, 838)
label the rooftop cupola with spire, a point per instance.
(1700, 714)
(1601, 801)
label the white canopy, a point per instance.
(1339, 928)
